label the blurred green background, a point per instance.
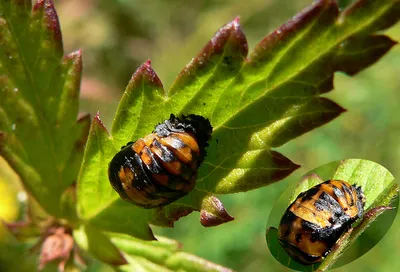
(117, 36)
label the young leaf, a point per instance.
(254, 103)
(39, 93)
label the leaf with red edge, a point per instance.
(39, 93)
(254, 103)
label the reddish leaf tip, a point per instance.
(229, 37)
(291, 27)
(340, 110)
(230, 33)
(211, 220)
(145, 71)
(51, 20)
(97, 121)
(40, 4)
(75, 55)
(97, 118)
(213, 213)
(232, 25)
(76, 59)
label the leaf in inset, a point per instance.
(380, 192)
(280, 254)
(375, 180)
(350, 237)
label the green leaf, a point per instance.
(380, 191)
(161, 255)
(97, 201)
(254, 103)
(39, 92)
(142, 106)
(375, 180)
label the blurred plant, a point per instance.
(254, 104)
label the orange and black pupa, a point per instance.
(161, 167)
(313, 223)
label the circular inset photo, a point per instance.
(333, 215)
